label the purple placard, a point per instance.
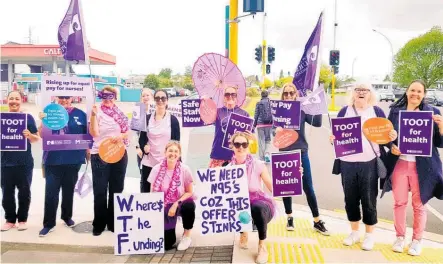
(348, 136)
(12, 126)
(138, 120)
(236, 123)
(415, 133)
(286, 114)
(286, 176)
(191, 113)
(66, 141)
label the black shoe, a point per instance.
(96, 232)
(254, 228)
(290, 224)
(320, 227)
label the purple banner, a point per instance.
(236, 123)
(415, 133)
(286, 114)
(286, 176)
(66, 141)
(305, 75)
(348, 136)
(315, 103)
(191, 113)
(138, 120)
(12, 126)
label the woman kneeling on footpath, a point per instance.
(359, 175)
(174, 179)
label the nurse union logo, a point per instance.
(313, 54)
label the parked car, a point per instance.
(434, 97)
(193, 95)
(385, 95)
(184, 92)
(171, 92)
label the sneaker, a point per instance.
(415, 248)
(352, 239)
(185, 243)
(399, 245)
(254, 228)
(96, 232)
(6, 226)
(45, 231)
(290, 224)
(320, 227)
(69, 223)
(22, 226)
(368, 242)
(262, 256)
(244, 240)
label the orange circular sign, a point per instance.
(111, 152)
(377, 130)
(285, 138)
(208, 111)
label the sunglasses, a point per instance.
(232, 95)
(64, 97)
(158, 99)
(286, 94)
(241, 144)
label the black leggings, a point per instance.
(187, 212)
(145, 186)
(261, 216)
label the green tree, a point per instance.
(268, 84)
(188, 83)
(387, 78)
(165, 83)
(151, 81)
(325, 75)
(165, 73)
(280, 82)
(421, 58)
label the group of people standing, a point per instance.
(162, 170)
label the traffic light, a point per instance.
(271, 54)
(268, 68)
(258, 54)
(334, 57)
(335, 69)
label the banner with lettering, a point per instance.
(348, 136)
(12, 126)
(415, 133)
(191, 113)
(223, 200)
(236, 123)
(286, 176)
(139, 223)
(175, 110)
(286, 114)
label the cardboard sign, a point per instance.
(208, 111)
(111, 152)
(377, 130)
(285, 138)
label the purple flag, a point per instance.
(315, 103)
(348, 136)
(286, 176)
(72, 35)
(415, 133)
(306, 77)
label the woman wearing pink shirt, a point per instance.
(174, 179)
(161, 127)
(107, 121)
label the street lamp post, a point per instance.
(353, 63)
(392, 54)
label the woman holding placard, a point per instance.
(110, 131)
(61, 169)
(161, 128)
(146, 98)
(16, 170)
(359, 172)
(419, 174)
(290, 93)
(174, 179)
(262, 205)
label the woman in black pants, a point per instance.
(174, 179)
(161, 128)
(107, 121)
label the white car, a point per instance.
(385, 95)
(171, 92)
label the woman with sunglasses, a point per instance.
(422, 176)
(174, 179)
(107, 122)
(61, 169)
(221, 156)
(262, 205)
(290, 93)
(162, 127)
(16, 171)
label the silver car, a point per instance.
(385, 95)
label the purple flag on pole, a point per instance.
(306, 77)
(315, 103)
(72, 35)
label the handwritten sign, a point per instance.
(191, 113)
(111, 152)
(236, 123)
(223, 202)
(285, 138)
(286, 176)
(348, 136)
(415, 133)
(377, 130)
(286, 114)
(12, 126)
(139, 223)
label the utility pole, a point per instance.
(233, 31)
(332, 106)
(264, 53)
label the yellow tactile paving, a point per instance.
(428, 255)
(293, 253)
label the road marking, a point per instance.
(435, 212)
